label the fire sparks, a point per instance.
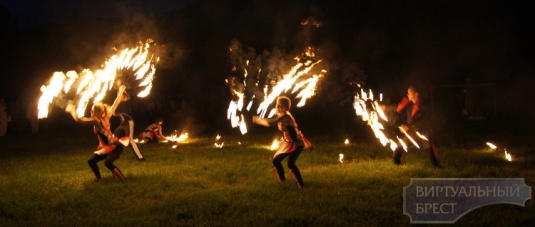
(218, 143)
(92, 86)
(300, 81)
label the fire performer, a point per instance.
(126, 127)
(110, 147)
(153, 133)
(292, 142)
(415, 126)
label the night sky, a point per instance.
(384, 45)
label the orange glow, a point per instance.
(91, 86)
(274, 145)
(299, 81)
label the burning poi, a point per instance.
(87, 86)
(372, 111)
(300, 80)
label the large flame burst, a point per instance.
(299, 83)
(88, 86)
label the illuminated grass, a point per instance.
(45, 180)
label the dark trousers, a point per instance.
(110, 158)
(292, 158)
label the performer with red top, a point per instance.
(416, 125)
(110, 147)
(153, 133)
(292, 143)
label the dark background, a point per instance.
(385, 45)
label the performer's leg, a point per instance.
(114, 155)
(132, 142)
(277, 163)
(117, 174)
(111, 157)
(432, 151)
(396, 155)
(293, 167)
(433, 156)
(92, 162)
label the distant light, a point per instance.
(492, 146)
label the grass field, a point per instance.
(45, 181)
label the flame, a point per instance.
(491, 145)
(341, 158)
(346, 142)
(92, 86)
(288, 81)
(218, 144)
(275, 145)
(374, 115)
(298, 81)
(508, 156)
(421, 136)
(409, 137)
(175, 138)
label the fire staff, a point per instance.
(415, 127)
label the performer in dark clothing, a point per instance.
(415, 124)
(126, 128)
(292, 143)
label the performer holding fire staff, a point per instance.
(110, 147)
(416, 126)
(126, 127)
(292, 142)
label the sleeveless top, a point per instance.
(105, 137)
(291, 139)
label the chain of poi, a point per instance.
(92, 86)
(298, 81)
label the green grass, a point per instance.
(45, 181)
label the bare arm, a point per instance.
(160, 133)
(82, 120)
(118, 100)
(268, 122)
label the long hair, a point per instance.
(101, 110)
